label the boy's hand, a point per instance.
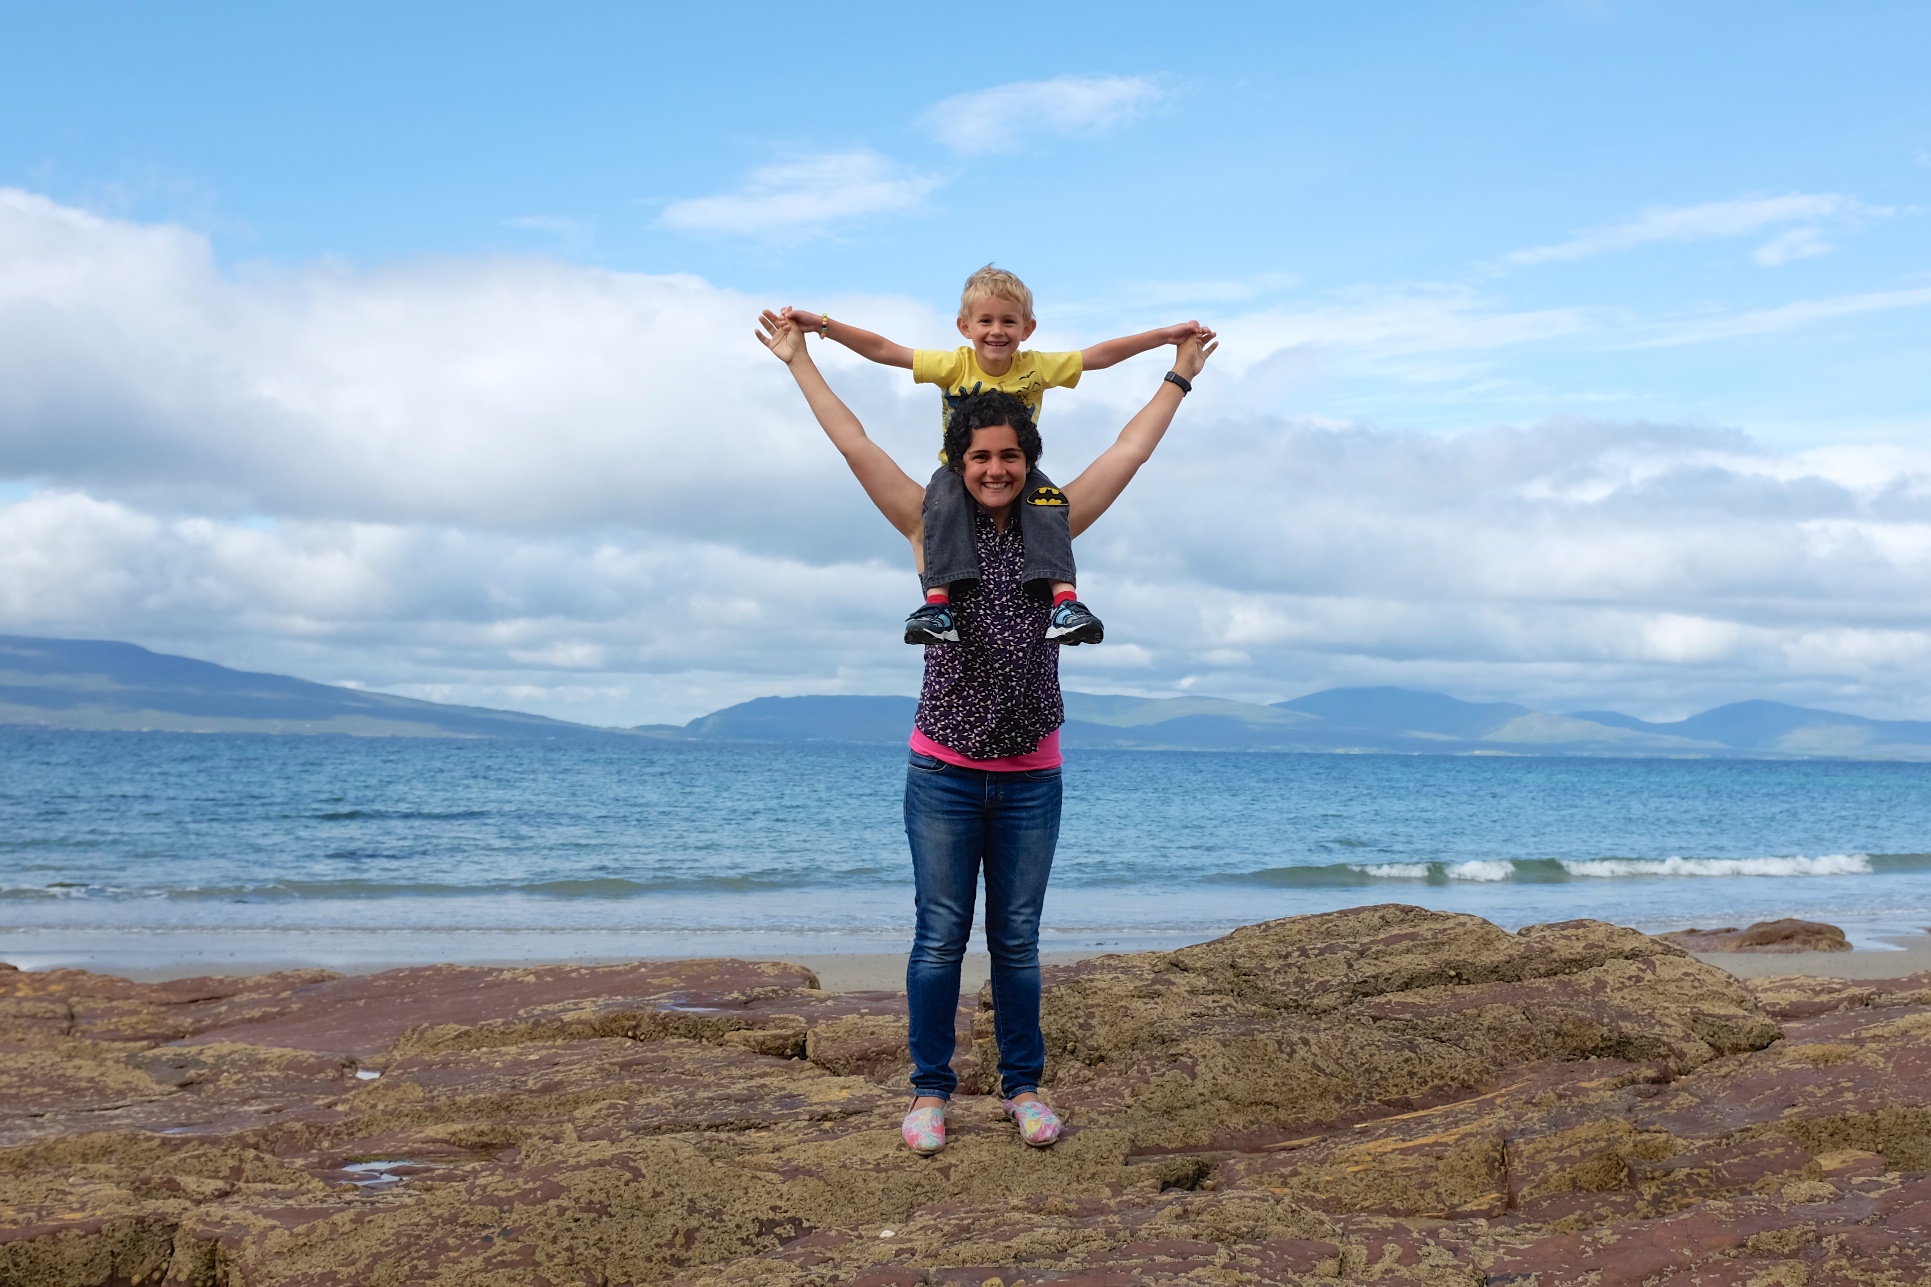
(1194, 352)
(782, 336)
(1108, 353)
(875, 348)
(803, 319)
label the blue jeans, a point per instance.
(957, 819)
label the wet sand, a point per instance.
(836, 971)
(1834, 965)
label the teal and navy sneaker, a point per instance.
(1073, 622)
(931, 624)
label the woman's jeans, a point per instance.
(956, 819)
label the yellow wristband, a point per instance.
(824, 326)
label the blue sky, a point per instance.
(1423, 229)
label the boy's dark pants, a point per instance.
(952, 555)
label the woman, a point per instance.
(983, 784)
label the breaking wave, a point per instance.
(1542, 871)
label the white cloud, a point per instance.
(1798, 243)
(807, 197)
(1742, 217)
(592, 494)
(506, 394)
(1783, 317)
(1388, 326)
(1419, 336)
(567, 234)
(1005, 118)
(816, 194)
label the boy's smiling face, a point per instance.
(996, 327)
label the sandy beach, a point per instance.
(1832, 965)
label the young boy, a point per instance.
(996, 316)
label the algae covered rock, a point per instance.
(1308, 1020)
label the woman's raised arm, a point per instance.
(898, 498)
(1100, 484)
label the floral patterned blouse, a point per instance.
(996, 691)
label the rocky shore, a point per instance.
(1384, 1095)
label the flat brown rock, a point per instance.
(1765, 936)
(1386, 1095)
(1803, 996)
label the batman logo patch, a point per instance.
(1049, 496)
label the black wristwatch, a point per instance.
(1174, 377)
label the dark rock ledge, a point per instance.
(1386, 1095)
(1786, 935)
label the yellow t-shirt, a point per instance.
(957, 373)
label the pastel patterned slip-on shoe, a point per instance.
(924, 1130)
(1038, 1124)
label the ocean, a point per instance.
(138, 847)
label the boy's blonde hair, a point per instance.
(995, 283)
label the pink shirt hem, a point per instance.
(1044, 756)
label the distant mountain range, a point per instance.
(93, 684)
(1358, 720)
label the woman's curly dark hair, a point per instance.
(978, 411)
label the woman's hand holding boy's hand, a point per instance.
(782, 336)
(1180, 332)
(1194, 352)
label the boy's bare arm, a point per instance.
(1100, 483)
(898, 498)
(1109, 352)
(866, 344)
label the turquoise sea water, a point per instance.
(787, 848)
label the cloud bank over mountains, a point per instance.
(589, 494)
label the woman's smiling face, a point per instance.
(994, 467)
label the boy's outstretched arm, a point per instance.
(1109, 352)
(864, 343)
(1100, 484)
(898, 498)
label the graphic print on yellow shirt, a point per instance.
(957, 374)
